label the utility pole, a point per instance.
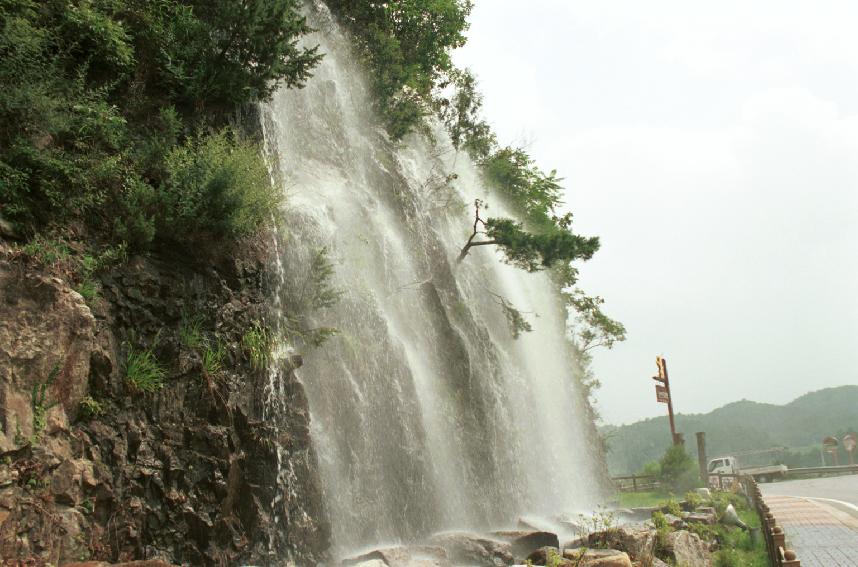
(662, 395)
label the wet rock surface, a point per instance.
(469, 549)
(523, 543)
(187, 474)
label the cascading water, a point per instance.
(426, 413)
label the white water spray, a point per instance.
(426, 413)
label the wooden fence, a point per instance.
(779, 555)
(636, 483)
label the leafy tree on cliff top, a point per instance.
(541, 239)
(406, 45)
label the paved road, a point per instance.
(841, 488)
(819, 518)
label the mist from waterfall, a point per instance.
(426, 414)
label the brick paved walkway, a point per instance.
(820, 535)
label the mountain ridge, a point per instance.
(739, 426)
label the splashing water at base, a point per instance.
(426, 414)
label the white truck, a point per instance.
(730, 465)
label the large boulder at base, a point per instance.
(400, 556)
(687, 548)
(46, 339)
(526, 542)
(590, 554)
(474, 550)
(146, 563)
(582, 557)
(540, 556)
(618, 560)
(393, 556)
(637, 541)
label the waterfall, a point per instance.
(426, 414)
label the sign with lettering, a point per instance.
(662, 375)
(661, 394)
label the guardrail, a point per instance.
(823, 471)
(779, 555)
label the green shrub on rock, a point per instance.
(218, 184)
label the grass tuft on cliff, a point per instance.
(143, 371)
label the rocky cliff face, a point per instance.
(93, 468)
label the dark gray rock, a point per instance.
(187, 474)
(523, 542)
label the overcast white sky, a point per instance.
(713, 146)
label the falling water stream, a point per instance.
(426, 414)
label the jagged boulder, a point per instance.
(587, 553)
(401, 556)
(580, 557)
(618, 560)
(46, 340)
(638, 541)
(686, 548)
(370, 563)
(526, 542)
(542, 555)
(147, 563)
(397, 556)
(471, 549)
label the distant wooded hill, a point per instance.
(799, 426)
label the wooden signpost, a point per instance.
(850, 440)
(830, 446)
(662, 395)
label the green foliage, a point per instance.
(143, 371)
(406, 45)
(220, 53)
(190, 331)
(516, 321)
(258, 342)
(672, 507)
(538, 251)
(98, 93)
(678, 470)
(88, 289)
(39, 405)
(602, 522)
(213, 357)
(735, 545)
(218, 184)
(590, 328)
(553, 559)
(662, 529)
(313, 291)
(533, 193)
(460, 113)
(64, 259)
(321, 293)
(90, 408)
(641, 499)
